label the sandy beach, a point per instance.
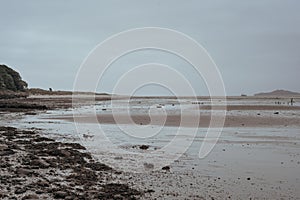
(236, 115)
(257, 155)
(175, 120)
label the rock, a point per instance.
(43, 139)
(98, 166)
(166, 168)
(65, 153)
(2, 195)
(276, 113)
(20, 190)
(117, 196)
(118, 158)
(60, 195)
(148, 166)
(80, 167)
(75, 146)
(39, 192)
(23, 172)
(30, 113)
(117, 191)
(3, 147)
(30, 196)
(144, 147)
(40, 163)
(43, 184)
(92, 191)
(7, 152)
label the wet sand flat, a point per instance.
(175, 120)
(250, 107)
(257, 155)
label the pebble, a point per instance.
(60, 195)
(3, 147)
(41, 163)
(166, 168)
(23, 172)
(144, 147)
(30, 196)
(20, 190)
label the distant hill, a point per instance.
(278, 93)
(10, 80)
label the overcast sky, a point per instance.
(255, 44)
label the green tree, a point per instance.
(11, 80)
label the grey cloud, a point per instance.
(255, 43)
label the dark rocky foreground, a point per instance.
(15, 106)
(36, 167)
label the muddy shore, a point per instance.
(35, 167)
(175, 120)
(257, 156)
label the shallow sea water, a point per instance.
(257, 163)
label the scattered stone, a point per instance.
(20, 190)
(40, 163)
(98, 166)
(75, 146)
(45, 169)
(30, 113)
(43, 139)
(7, 152)
(43, 184)
(60, 195)
(3, 147)
(148, 166)
(118, 158)
(65, 153)
(23, 172)
(166, 168)
(30, 196)
(144, 147)
(120, 192)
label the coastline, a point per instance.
(245, 162)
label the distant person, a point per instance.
(50, 89)
(292, 101)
